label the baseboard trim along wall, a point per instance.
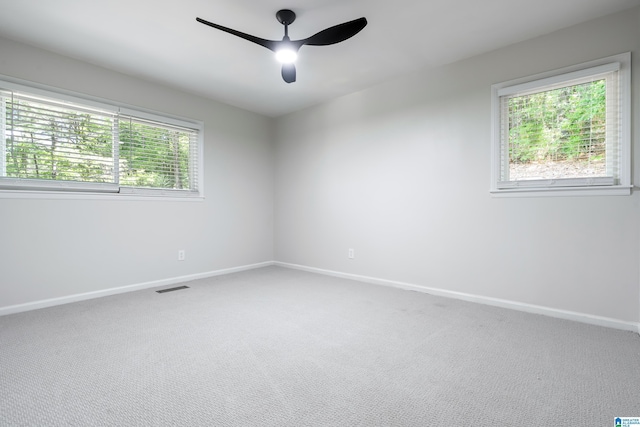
(513, 305)
(120, 290)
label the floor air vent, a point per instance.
(162, 291)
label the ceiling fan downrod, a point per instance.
(286, 17)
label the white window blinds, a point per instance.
(561, 131)
(57, 144)
(157, 155)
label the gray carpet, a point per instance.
(279, 347)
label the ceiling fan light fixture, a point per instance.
(286, 55)
(286, 50)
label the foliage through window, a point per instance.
(563, 132)
(563, 129)
(56, 144)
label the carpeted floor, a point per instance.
(280, 347)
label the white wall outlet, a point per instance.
(181, 255)
(351, 253)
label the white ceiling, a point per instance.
(160, 40)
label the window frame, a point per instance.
(542, 81)
(51, 189)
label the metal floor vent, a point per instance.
(177, 288)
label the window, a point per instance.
(565, 132)
(55, 142)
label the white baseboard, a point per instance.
(529, 308)
(130, 288)
(513, 305)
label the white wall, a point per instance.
(401, 173)
(56, 248)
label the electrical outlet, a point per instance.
(351, 253)
(181, 255)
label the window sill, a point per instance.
(616, 190)
(63, 195)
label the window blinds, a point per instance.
(551, 125)
(157, 155)
(47, 140)
(49, 143)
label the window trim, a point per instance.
(32, 188)
(544, 188)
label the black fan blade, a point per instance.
(289, 73)
(335, 34)
(269, 44)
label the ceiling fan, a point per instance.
(286, 49)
